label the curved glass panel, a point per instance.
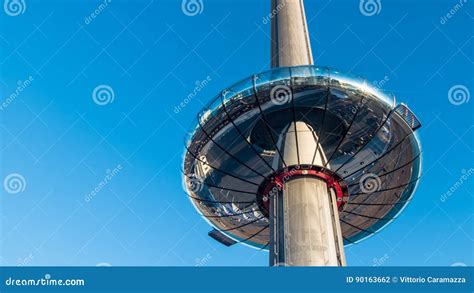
(270, 79)
(239, 91)
(309, 76)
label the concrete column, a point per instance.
(290, 39)
(308, 230)
(304, 220)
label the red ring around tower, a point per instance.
(276, 181)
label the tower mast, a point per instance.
(290, 39)
(304, 219)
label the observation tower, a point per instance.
(301, 160)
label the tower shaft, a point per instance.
(304, 220)
(305, 225)
(290, 39)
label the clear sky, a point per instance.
(144, 58)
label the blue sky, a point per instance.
(62, 145)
